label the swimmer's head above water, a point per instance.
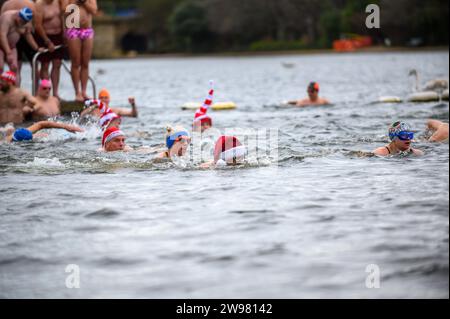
(177, 140)
(202, 121)
(110, 119)
(8, 80)
(313, 91)
(45, 88)
(401, 135)
(22, 135)
(11, 135)
(104, 96)
(113, 140)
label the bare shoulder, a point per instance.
(381, 151)
(55, 100)
(32, 5)
(418, 152)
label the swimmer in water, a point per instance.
(228, 151)
(46, 105)
(313, 97)
(27, 134)
(202, 121)
(439, 129)
(114, 141)
(177, 142)
(401, 138)
(104, 98)
(109, 119)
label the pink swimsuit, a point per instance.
(82, 34)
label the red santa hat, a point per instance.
(228, 148)
(200, 115)
(99, 104)
(111, 134)
(9, 77)
(107, 118)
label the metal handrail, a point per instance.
(34, 71)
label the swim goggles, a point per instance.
(403, 136)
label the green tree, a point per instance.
(189, 27)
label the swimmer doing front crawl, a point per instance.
(27, 134)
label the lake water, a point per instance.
(306, 223)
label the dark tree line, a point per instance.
(221, 25)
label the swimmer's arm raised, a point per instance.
(47, 125)
(126, 112)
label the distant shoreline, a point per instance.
(377, 49)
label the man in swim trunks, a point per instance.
(13, 25)
(15, 103)
(24, 51)
(401, 138)
(27, 134)
(439, 129)
(80, 41)
(314, 99)
(104, 98)
(49, 33)
(46, 105)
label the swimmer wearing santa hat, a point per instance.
(113, 140)
(202, 121)
(228, 151)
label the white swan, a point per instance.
(436, 85)
(435, 90)
(432, 91)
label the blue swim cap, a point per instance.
(396, 128)
(22, 134)
(172, 138)
(26, 14)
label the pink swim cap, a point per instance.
(45, 83)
